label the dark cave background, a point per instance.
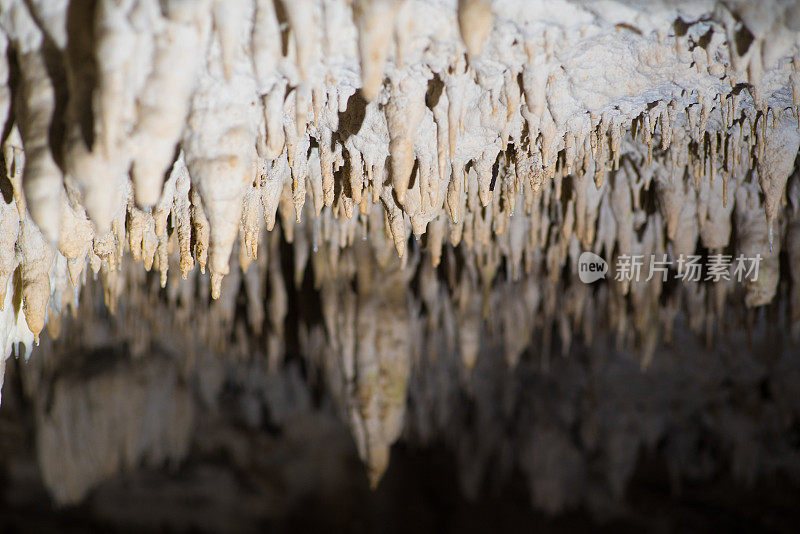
(294, 467)
(705, 438)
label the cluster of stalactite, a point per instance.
(367, 323)
(115, 394)
(436, 164)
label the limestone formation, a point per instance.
(430, 165)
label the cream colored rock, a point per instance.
(219, 145)
(403, 115)
(372, 19)
(163, 105)
(179, 125)
(475, 24)
(35, 263)
(41, 180)
(775, 166)
(9, 234)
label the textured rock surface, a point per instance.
(429, 170)
(253, 444)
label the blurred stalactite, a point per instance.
(574, 428)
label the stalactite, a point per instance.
(169, 132)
